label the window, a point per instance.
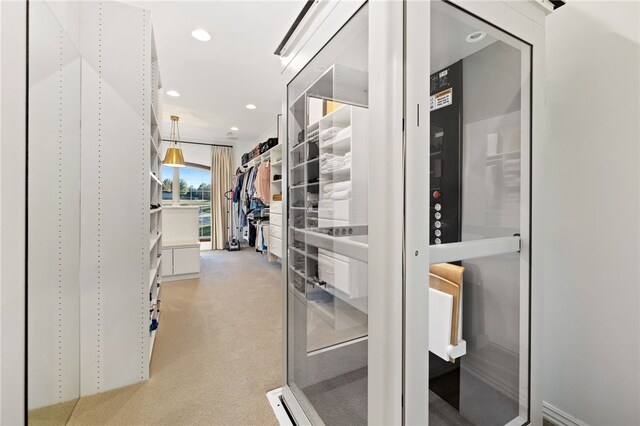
(167, 185)
(195, 190)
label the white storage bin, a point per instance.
(334, 270)
(335, 210)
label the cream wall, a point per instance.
(591, 235)
(12, 210)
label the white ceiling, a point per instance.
(449, 29)
(216, 79)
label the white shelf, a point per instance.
(153, 335)
(155, 178)
(262, 157)
(302, 185)
(300, 274)
(338, 175)
(154, 145)
(339, 113)
(297, 250)
(153, 275)
(339, 146)
(299, 145)
(180, 244)
(154, 117)
(155, 241)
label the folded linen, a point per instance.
(337, 186)
(343, 133)
(338, 168)
(337, 196)
(341, 195)
(329, 133)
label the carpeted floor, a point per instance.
(217, 352)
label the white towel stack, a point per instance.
(329, 133)
(333, 134)
(337, 191)
(332, 163)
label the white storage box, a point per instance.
(334, 270)
(334, 210)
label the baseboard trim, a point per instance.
(558, 417)
(169, 278)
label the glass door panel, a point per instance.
(479, 222)
(327, 229)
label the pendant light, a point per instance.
(174, 157)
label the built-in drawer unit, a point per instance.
(276, 207)
(276, 231)
(276, 246)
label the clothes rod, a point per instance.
(197, 143)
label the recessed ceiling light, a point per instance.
(251, 106)
(173, 93)
(235, 129)
(476, 36)
(200, 34)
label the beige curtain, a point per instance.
(221, 181)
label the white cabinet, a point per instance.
(186, 260)
(180, 243)
(167, 262)
(275, 247)
(181, 261)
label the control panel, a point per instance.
(445, 155)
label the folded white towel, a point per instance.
(337, 186)
(341, 195)
(329, 133)
(344, 133)
(336, 168)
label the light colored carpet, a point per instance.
(217, 352)
(53, 415)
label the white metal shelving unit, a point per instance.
(155, 198)
(121, 235)
(330, 286)
(275, 207)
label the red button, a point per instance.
(436, 194)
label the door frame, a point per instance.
(524, 20)
(398, 248)
(385, 251)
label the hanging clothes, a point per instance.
(238, 187)
(263, 183)
(251, 188)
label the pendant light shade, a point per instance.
(174, 157)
